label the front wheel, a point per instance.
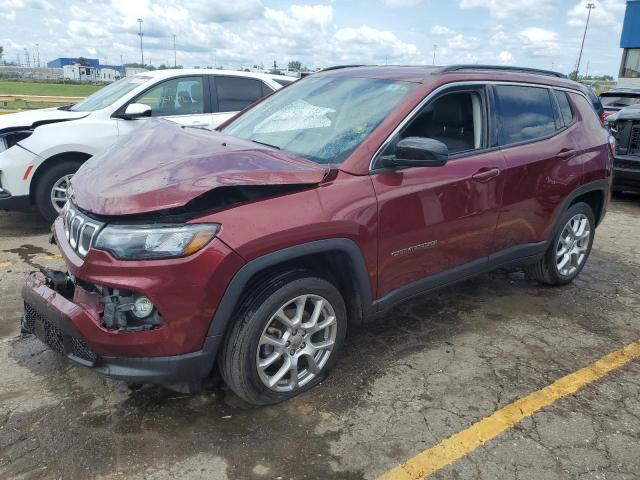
(285, 339)
(569, 249)
(51, 189)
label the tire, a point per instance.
(552, 269)
(43, 189)
(256, 319)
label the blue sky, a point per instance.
(533, 33)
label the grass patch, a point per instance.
(54, 89)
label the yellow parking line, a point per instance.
(50, 257)
(5, 264)
(460, 444)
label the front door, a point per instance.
(181, 100)
(433, 220)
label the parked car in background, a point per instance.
(322, 206)
(625, 127)
(619, 98)
(40, 150)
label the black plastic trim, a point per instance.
(20, 203)
(237, 285)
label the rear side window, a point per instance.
(526, 113)
(565, 107)
(235, 93)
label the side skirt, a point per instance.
(515, 256)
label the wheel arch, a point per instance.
(594, 192)
(338, 260)
(80, 157)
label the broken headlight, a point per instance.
(8, 140)
(139, 242)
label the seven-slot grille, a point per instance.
(80, 230)
(634, 143)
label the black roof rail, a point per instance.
(338, 67)
(536, 71)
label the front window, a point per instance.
(322, 118)
(109, 94)
(179, 96)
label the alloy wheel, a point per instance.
(573, 244)
(59, 192)
(296, 343)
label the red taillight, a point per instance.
(604, 116)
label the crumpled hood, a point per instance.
(162, 166)
(29, 118)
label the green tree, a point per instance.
(294, 65)
(1, 52)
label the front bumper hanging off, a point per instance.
(50, 315)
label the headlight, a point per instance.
(155, 241)
(8, 140)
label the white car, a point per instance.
(40, 150)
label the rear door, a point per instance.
(542, 162)
(231, 94)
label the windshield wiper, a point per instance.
(266, 144)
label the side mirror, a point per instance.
(136, 110)
(418, 152)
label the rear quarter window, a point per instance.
(525, 113)
(565, 107)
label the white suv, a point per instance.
(40, 150)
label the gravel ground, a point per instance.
(432, 368)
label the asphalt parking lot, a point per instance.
(432, 369)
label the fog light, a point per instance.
(142, 307)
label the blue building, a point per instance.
(91, 62)
(630, 43)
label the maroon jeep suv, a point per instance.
(253, 248)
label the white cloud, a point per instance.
(34, 4)
(539, 35)
(9, 16)
(513, 9)
(505, 57)
(403, 3)
(441, 30)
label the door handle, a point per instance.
(566, 154)
(486, 174)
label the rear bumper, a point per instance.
(52, 318)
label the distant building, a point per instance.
(62, 62)
(134, 71)
(80, 73)
(630, 43)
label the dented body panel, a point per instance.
(165, 166)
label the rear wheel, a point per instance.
(51, 189)
(285, 340)
(569, 250)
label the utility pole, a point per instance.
(141, 34)
(435, 48)
(589, 6)
(175, 63)
(38, 55)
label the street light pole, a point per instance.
(175, 63)
(141, 51)
(435, 48)
(590, 6)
